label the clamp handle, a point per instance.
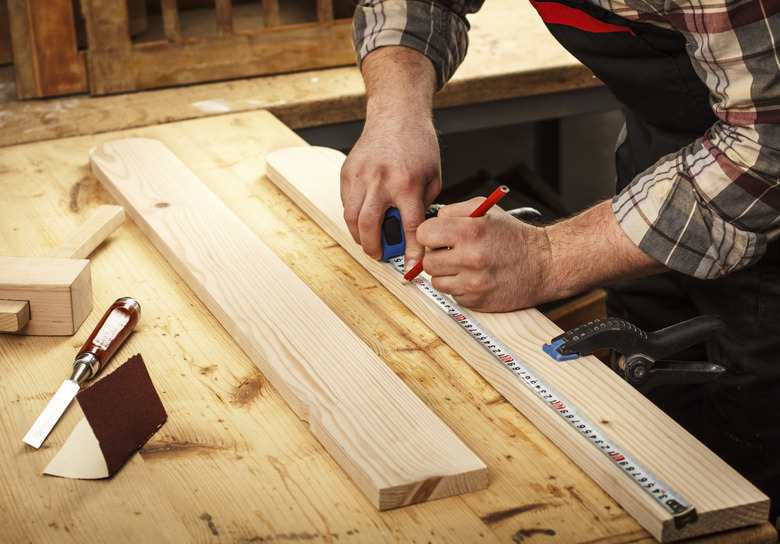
(622, 336)
(636, 355)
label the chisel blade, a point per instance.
(51, 414)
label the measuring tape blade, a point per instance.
(682, 511)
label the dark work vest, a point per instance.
(649, 72)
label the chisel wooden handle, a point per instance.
(112, 330)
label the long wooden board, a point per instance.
(723, 499)
(394, 448)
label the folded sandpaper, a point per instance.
(122, 411)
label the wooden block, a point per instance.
(723, 499)
(59, 292)
(392, 446)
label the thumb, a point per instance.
(411, 218)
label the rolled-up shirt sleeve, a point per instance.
(437, 29)
(711, 208)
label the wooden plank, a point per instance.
(170, 18)
(46, 57)
(394, 448)
(90, 234)
(310, 177)
(224, 11)
(109, 49)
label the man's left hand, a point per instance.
(493, 263)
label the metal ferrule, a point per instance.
(133, 303)
(85, 366)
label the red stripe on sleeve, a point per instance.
(559, 14)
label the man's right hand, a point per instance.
(396, 161)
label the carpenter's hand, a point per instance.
(393, 164)
(493, 263)
(396, 160)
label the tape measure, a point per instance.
(393, 240)
(681, 510)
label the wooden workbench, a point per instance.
(233, 463)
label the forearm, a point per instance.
(591, 250)
(399, 82)
(383, 23)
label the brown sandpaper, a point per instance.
(123, 410)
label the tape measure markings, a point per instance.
(682, 511)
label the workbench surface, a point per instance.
(233, 463)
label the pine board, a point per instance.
(310, 177)
(394, 448)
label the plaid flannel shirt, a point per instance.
(708, 209)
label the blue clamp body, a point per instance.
(393, 241)
(552, 350)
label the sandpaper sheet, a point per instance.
(122, 411)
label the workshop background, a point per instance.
(51, 45)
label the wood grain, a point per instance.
(394, 448)
(310, 177)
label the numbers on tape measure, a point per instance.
(682, 511)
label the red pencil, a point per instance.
(481, 210)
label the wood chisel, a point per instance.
(112, 330)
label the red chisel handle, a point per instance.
(112, 330)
